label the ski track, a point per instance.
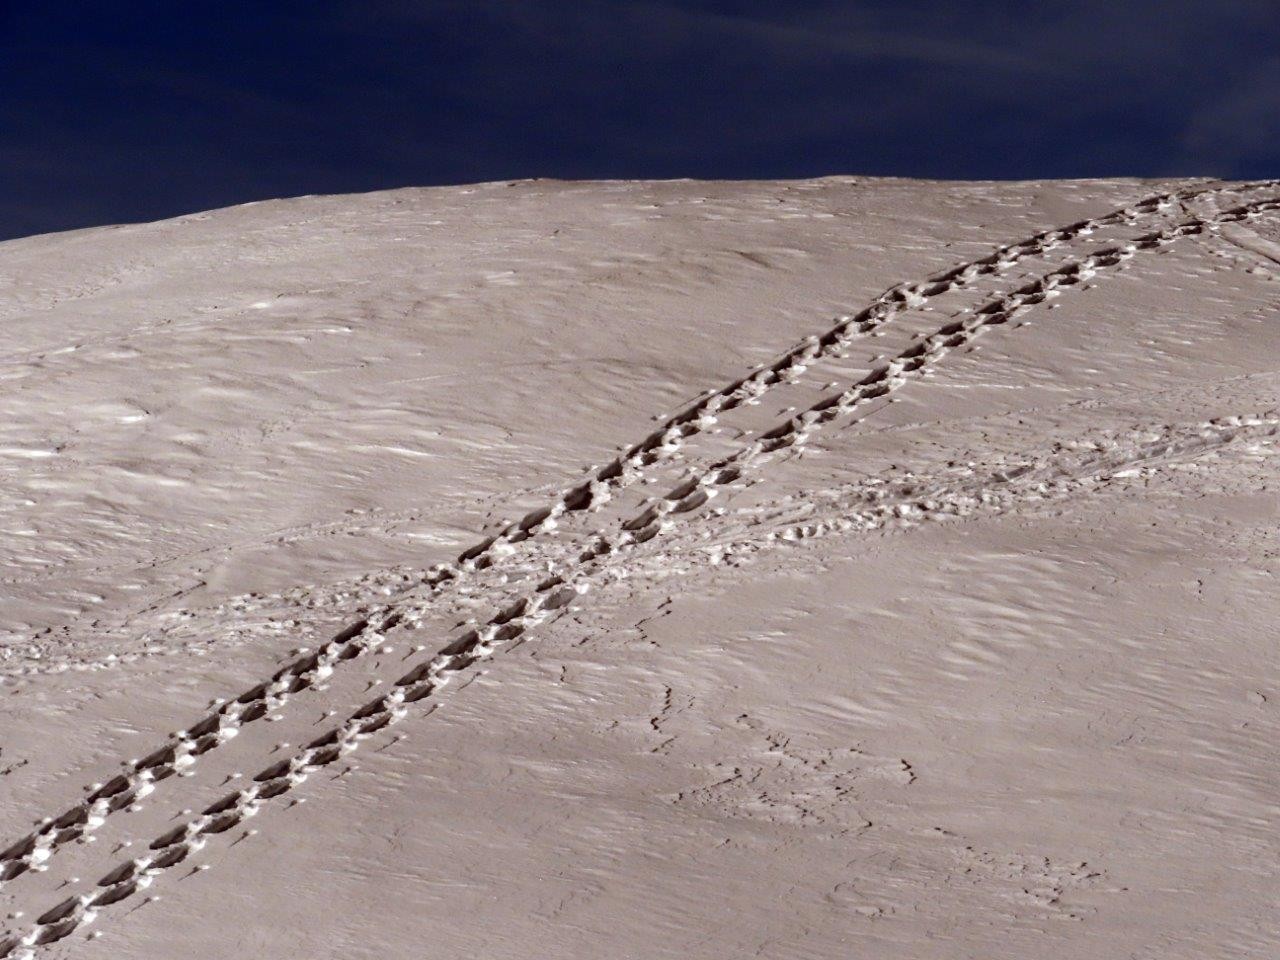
(557, 591)
(871, 506)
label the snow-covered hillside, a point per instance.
(838, 568)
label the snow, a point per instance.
(690, 569)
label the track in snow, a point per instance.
(524, 612)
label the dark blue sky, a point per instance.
(115, 112)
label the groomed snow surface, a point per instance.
(825, 569)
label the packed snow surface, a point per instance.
(825, 569)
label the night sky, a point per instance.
(115, 112)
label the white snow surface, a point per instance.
(818, 569)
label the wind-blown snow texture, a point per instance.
(813, 569)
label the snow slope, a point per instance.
(807, 569)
